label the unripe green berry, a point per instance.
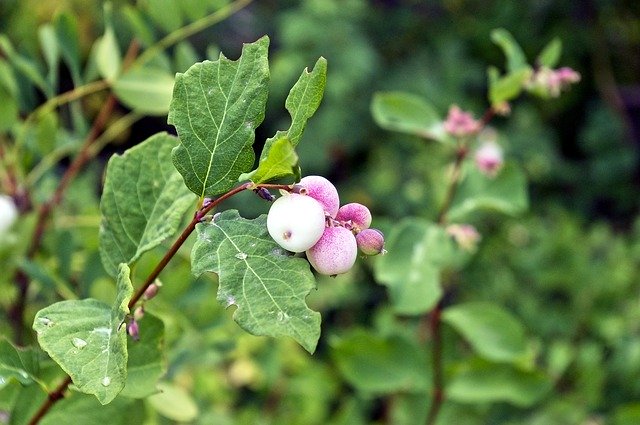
(296, 222)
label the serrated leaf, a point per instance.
(550, 55)
(216, 108)
(88, 340)
(143, 202)
(372, 363)
(20, 364)
(516, 59)
(407, 113)
(147, 90)
(146, 363)
(266, 283)
(282, 161)
(484, 382)
(507, 87)
(302, 102)
(492, 331)
(417, 250)
(506, 193)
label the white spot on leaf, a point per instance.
(106, 381)
(241, 256)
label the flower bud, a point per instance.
(460, 123)
(151, 290)
(133, 330)
(371, 242)
(264, 194)
(138, 313)
(489, 158)
(465, 235)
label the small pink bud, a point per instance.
(151, 291)
(371, 242)
(465, 235)
(489, 158)
(549, 82)
(460, 123)
(133, 330)
(138, 313)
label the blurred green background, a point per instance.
(569, 268)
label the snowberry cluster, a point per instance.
(312, 220)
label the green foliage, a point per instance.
(143, 201)
(266, 283)
(216, 107)
(539, 316)
(407, 113)
(88, 340)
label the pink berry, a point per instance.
(370, 241)
(323, 191)
(358, 214)
(335, 252)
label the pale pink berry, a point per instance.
(489, 158)
(335, 252)
(296, 222)
(370, 242)
(323, 191)
(358, 215)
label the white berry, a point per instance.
(296, 222)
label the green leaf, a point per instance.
(508, 87)
(147, 90)
(483, 382)
(516, 60)
(506, 193)
(143, 202)
(8, 110)
(282, 161)
(88, 340)
(174, 402)
(166, 13)
(377, 364)
(417, 250)
(108, 58)
(146, 363)
(492, 331)
(550, 55)
(302, 102)
(51, 51)
(184, 56)
(407, 113)
(85, 410)
(66, 29)
(268, 285)
(139, 25)
(17, 363)
(216, 108)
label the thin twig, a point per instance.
(52, 398)
(434, 322)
